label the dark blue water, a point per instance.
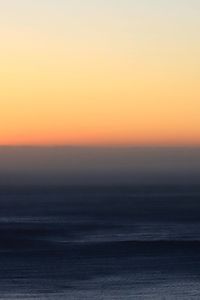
(100, 243)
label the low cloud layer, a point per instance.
(101, 166)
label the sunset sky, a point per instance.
(100, 72)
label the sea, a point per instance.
(96, 243)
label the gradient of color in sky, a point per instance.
(100, 72)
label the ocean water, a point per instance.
(100, 243)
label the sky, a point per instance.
(100, 72)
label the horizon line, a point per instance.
(123, 146)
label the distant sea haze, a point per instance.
(99, 165)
